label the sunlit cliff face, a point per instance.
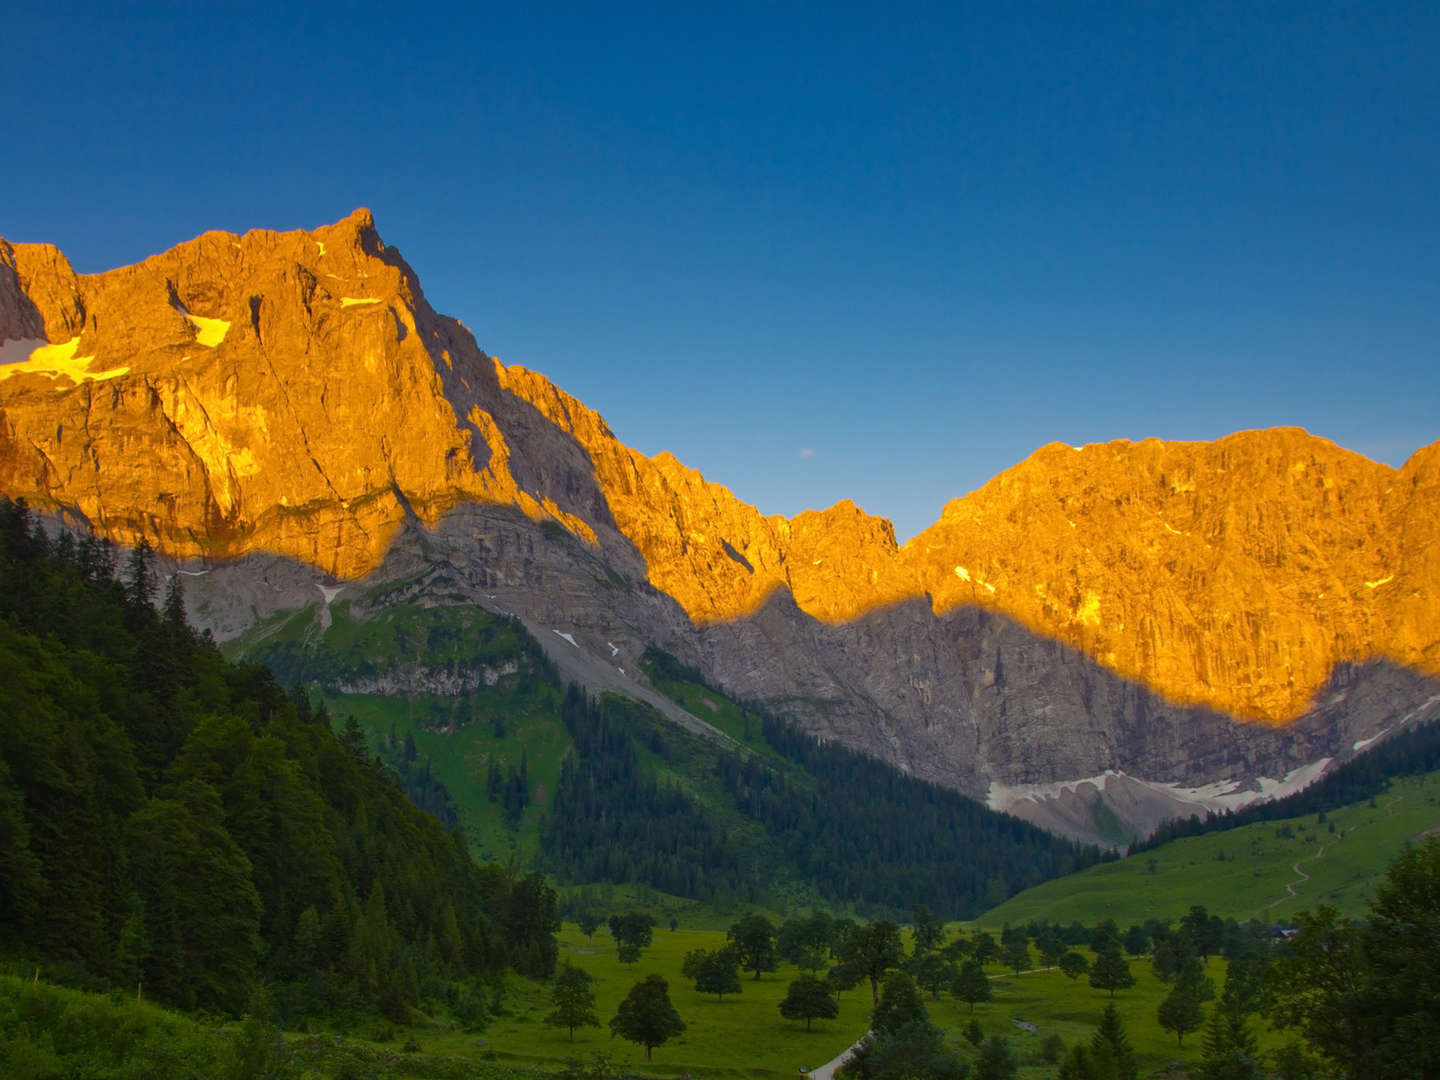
(294, 393)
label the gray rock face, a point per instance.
(969, 700)
(289, 407)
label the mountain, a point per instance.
(1123, 629)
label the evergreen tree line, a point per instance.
(854, 828)
(868, 835)
(421, 786)
(610, 821)
(172, 820)
(1410, 753)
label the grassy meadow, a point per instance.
(744, 1036)
(1243, 873)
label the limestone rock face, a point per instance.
(1234, 574)
(291, 399)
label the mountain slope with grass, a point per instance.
(603, 789)
(1266, 870)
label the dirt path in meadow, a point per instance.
(1290, 893)
(827, 1071)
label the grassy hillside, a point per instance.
(376, 666)
(1247, 872)
(50, 1031)
(465, 706)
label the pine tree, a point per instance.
(1110, 1036)
(1231, 1051)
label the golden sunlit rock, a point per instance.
(294, 393)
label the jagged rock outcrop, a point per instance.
(294, 396)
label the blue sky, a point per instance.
(917, 241)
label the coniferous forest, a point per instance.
(853, 828)
(183, 827)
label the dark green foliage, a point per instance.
(1073, 964)
(974, 1033)
(530, 921)
(1181, 1010)
(1103, 936)
(872, 950)
(996, 1061)
(1111, 972)
(716, 972)
(1174, 952)
(589, 922)
(1136, 942)
(632, 933)
(808, 999)
(197, 937)
(900, 1004)
(646, 1015)
(932, 972)
(754, 940)
(1110, 1045)
(1366, 994)
(421, 786)
(904, 1044)
(573, 999)
(1050, 947)
(1016, 955)
(1206, 931)
(1052, 1048)
(170, 819)
(971, 985)
(805, 941)
(612, 822)
(869, 836)
(927, 930)
(1231, 1051)
(1412, 752)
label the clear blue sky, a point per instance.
(817, 251)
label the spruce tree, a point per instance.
(1231, 1052)
(1111, 1036)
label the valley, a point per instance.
(348, 668)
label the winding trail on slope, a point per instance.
(1291, 894)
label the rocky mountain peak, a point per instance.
(294, 394)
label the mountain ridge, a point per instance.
(295, 395)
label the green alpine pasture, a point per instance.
(744, 1036)
(1265, 871)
